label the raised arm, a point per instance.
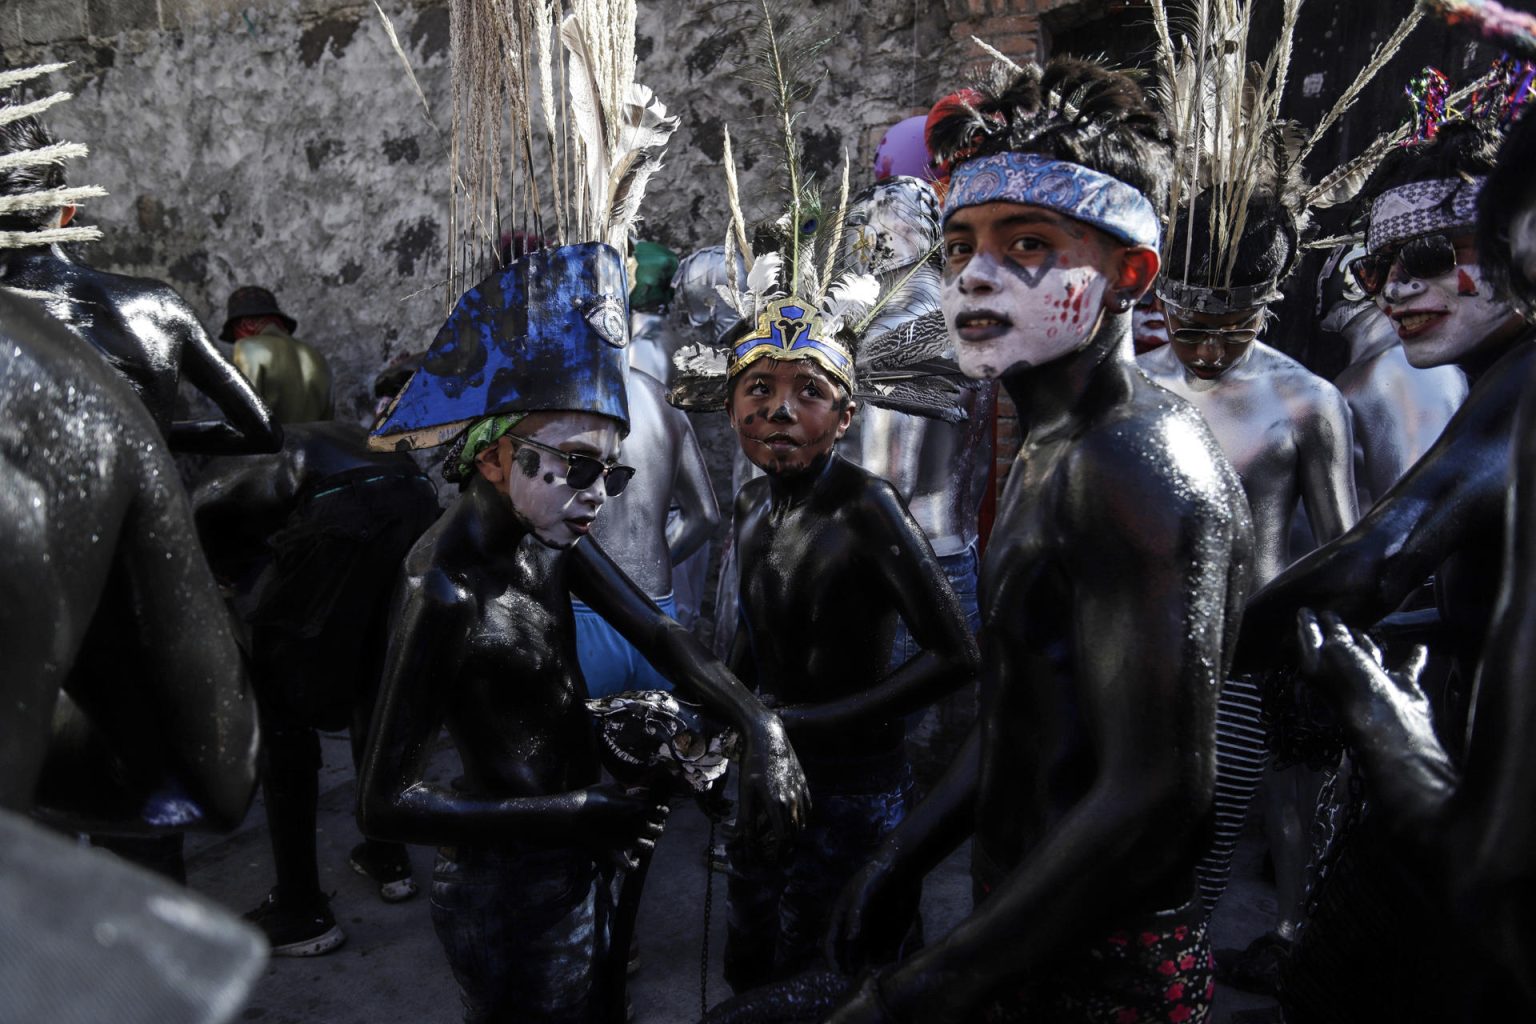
(1147, 705)
(697, 511)
(771, 773)
(1325, 451)
(248, 427)
(1456, 489)
(904, 567)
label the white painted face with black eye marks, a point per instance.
(534, 481)
(1022, 287)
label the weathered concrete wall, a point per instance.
(278, 141)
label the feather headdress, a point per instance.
(800, 298)
(1232, 148)
(552, 133)
(550, 130)
(47, 198)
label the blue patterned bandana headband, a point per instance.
(1422, 207)
(1072, 190)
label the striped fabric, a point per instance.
(1241, 758)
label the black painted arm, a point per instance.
(249, 426)
(770, 771)
(1455, 489)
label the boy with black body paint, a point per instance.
(829, 557)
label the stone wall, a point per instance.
(279, 141)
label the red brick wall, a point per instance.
(1012, 27)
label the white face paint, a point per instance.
(1442, 319)
(1004, 317)
(534, 481)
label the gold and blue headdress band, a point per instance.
(1072, 190)
(789, 329)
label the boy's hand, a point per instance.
(620, 824)
(774, 800)
(855, 924)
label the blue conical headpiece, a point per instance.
(549, 333)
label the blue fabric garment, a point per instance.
(523, 931)
(608, 661)
(960, 569)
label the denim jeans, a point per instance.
(777, 914)
(523, 931)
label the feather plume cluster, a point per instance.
(550, 129)
(57, 153)
(1230, 144)
(801, 248)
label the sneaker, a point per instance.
(297, 929)
(1256, 968)
(387, 864)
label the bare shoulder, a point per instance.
(1160, 364)
(1155, 456)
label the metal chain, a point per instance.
(709, 894)
(1327, 858)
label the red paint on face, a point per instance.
(1464, 283)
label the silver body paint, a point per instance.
(939, 469)
(1286, 431)
(1398, 410)
(635, 528)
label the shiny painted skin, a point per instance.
(829, 558)
(1398, 410)
(939, 469)
(1471, 824)
(150, 335)
(1287, 433)
(483, 642)
(1121, 518)
(1445, 518)
(634, 528)
(105, 598)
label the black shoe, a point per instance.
(1257, 968)
(297, 929)
(387, 864)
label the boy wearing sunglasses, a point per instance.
(528, 378)
(1398, 409)
(1444, 519)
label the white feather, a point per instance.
(851, 296)
(763, 278)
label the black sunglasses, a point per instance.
(1424, 257)
(582, 471)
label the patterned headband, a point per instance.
(1418, 209)
(1073, 190)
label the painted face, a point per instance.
(1210, 344)
(534, 481)
(1149, 327)
(787, 415)
(1023, 286)
(1444, 318)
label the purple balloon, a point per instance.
(903, 151)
